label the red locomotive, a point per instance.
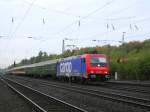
(97, 66)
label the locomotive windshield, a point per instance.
(98, 61)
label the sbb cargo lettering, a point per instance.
(66, 67)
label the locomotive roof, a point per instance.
(71, 57)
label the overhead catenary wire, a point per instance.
(118, 11)
(130, 26)
(122, 18)
(111, 19)
(23, 18)
(86, 16)
(53, 10)
(79, 22)
(98, 9)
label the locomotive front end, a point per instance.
(98, 67)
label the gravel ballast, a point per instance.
(90, 103)
(11, 102)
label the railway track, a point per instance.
(40, 101)
(128, 87)
(11, 102)
(117, 97)
(134, 83)
(144, 103)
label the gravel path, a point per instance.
(11, 102)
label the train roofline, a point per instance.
(50, 62)
(35, 65)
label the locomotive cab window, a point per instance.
(98, 61)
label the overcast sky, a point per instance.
(48, 22)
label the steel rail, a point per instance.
(135, 87)
(72, 107)
(112, 96)
(120, 97)
(130, 83)
(38, 108)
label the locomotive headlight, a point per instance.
(105, 72)
(92, 71)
